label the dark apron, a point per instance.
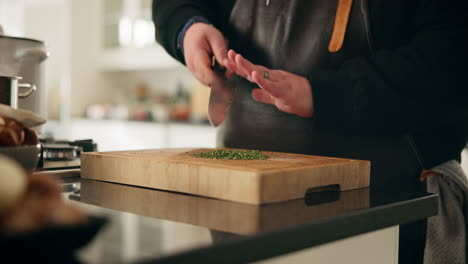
(294, 36)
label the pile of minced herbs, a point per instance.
(232, 154)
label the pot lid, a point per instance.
(2, 35)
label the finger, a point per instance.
(244, 65)
(248, 67)
(232, 63)
(273, 88)
(232, 66)
(263, 97)
(285, 108)
(230, 69)
(205, 77)
(202, 69)
(232, 55)
(218, 47)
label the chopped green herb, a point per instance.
(232, 154)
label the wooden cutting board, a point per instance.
(281, 177)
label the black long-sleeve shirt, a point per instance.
(414, 82)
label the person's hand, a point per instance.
(289, 92)
(201, 42)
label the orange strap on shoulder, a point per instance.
(427, 173)
(341, 23)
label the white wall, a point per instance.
(50, 21)
(86, 38)
(11, 16)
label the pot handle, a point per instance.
(39, 52)
(31, 89)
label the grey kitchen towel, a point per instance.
(446, 241)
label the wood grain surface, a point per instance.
(281, 177)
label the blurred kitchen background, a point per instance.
(106, 78)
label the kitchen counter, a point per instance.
(155, 226)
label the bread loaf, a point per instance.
(11, 132)
(30, 137)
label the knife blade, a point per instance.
(221, 95)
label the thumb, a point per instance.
(219, 48)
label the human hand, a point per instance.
(289, 92)
(201, 42)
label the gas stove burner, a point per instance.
(86, 144)
(63, 154)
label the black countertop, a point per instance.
(152, 226)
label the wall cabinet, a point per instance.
(129, 37)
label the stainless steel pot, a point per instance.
(9, 93)
(23, 57)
